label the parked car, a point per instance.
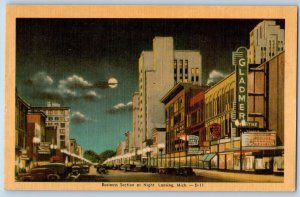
(162, 170)
(171, 170)
(152, 169)
(140, 168)
(117, 167)
(127, 167)
(59, 169)
(85, 168)
(73, 176)
(186, 171)
(101, 170)
(76, 168)
(39, 174)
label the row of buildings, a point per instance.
(235, 124)
(42, 135)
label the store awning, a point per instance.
(208, 157)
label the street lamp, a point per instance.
(160, 147)
(148, 151)
(36, 141)
(239, 125)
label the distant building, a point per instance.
(159, 138)
(73, 146)
(36, 123)
(121, 148)
(60, 117)
(136, 142)
(195, 117)
(80, 150)
(159, 71)
(21, 150)
(51, 134)
(266, 41)
(176, 107)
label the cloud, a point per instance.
(74, 82)
(214, 77)
(91, 95)
(121, 107)
(40, 79)
(68, 89)
(79, 118)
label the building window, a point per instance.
(62, 125)
(56, 118)
(197, 78)
(193, 71)
(50, 118)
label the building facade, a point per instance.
(195, 118)
(159, 71)
(266, 41)
(39, 149)
(177, 124)
(21, 148)
(257, 145)
(60, 117)
(136, 142)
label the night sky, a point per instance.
(59, 60)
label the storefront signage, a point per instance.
(252, 124)
(259, 139)
(215, 130)
(193, 151)
(241, 70)
(205, 148)
(193, 140)
(214, 142)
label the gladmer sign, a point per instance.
(241, 66)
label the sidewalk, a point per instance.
(239, 177)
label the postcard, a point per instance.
(151, 98)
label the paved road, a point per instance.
(202, 176)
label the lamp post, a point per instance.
(239, 125)
(148, 151)
(161, 147)
(36, 141)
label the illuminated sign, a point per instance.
(239, 60)
(193, 151)
(252, 124)
(193, 140)
(259, 139)
(215, 130)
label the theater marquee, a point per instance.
(259, 139)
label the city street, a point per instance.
(201, 176)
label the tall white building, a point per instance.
(135, 130)
(159, 71)
(266, 41)
(60, 117)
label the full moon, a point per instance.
(112, 83)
